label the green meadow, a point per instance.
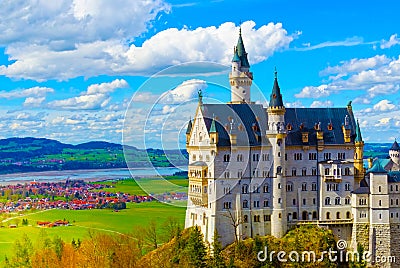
(82, 221)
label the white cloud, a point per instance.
(114, 56)
(393, 40)
(314, 92)
(186, 91)
(356, 65)
(33, 102)
(321, 104)
(383, 106)
(96, 97)
(383, 122)
(23, 93)
(353, 41)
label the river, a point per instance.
(88, 174)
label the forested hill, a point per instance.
(38, 154)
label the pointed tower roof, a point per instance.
(358, 133)
(377, 168)
(276, 96)
(241, 51)
(213, 129)
(189, 127)
(235, 55)
(395, 146)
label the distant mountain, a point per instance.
(39, 154)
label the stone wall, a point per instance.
(360, 235)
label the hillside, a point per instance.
(34, 154)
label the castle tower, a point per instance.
(240, 76)
(276, 133)
(359, 171)
(394, 153)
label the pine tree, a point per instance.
(217, 261)
(195, 249)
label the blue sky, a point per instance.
(130, 70)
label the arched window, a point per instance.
(245, 219)
(328, 215)
(245, 204)
(245, 189)
(314, 215)
(294, 215)
(338, 215)
(266, 188)
(348, 215)
(337, 201)
(305, 215)
(327, 201)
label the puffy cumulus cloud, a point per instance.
(314, 92)
(378, 75)
(61, 24)
(383, 122)
(393, 40)
(186, 91)
(23, 93)
(384, 105)
(321, 104)
(118, 57)
(96, 97)
(33, 102)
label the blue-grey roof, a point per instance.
(249, 122)
(358, 133)
(394, 176)
(395, 146)
(363, 189)
(198, 164)
(306, 118)
(189, 128)
(275, 99)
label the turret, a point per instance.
(359, 171)
(188, 131)
(394, 153)
(276, 133)
(213, 133)
(240, 77)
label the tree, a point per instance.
(23, 250)
(195, 250)
(151, 234)
(216, 260)
(235, 221)
(171, 228)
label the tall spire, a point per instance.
(241, 51)
(358, 133)
(276, 96)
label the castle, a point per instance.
(257, 170)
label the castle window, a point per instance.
(380, 216)
(294, 172)
(348, 215)
(289, 127)
(337, 201)
(314, 201)
(327, 171)
(379, 188)
(312, 156)
(227, 190)
(256, 204)
(397, 187)
(285, 157)
(207, 158)
(266, 203)
(279, 200)
(347, 171)
(265, 174)
(256, 218)
(337, 215)
(265, 157)
(391, 215)
(227, 157)
(304, 172)
(380, 203)
(266, 188)
(304, 201)
(294, 202)
(294, 215)
(391, 202)
(347, 201)
(245, 219)
(347, 187)
(298, 156)
(239, 158)
(341, 156)
(255, 172)
(226, 174)
(314, 215)
(245, 204)
(255, 157)
(314, 171)
(397, 202)
(267, 217)
(279, 170)
(280, 215)
(313, 186)
(305, 215)
(327, 156)
(240, 174)
(279, 186)
(330, 127)
(304, 186)
(194, 158)
(327, 201)
(245, 189)
(256, 188)
(227, 205)
(289, 187)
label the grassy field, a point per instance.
(148, 185)
(82, 221)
